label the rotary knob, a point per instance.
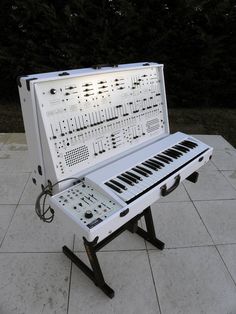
(88, 214)
(53, 91)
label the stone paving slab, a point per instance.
(11, 187)
(210, 186)
(28, 234)
(195, 273)
(14, 162)
(231, 177)
(225, 160)
(34, 283)
(129, 274)
(179, 225)
(15, 142)
(193, 280)
(219, 218)
(30, 193)
(216, 141)
(6, 214)
(228, 252)
(3, 138)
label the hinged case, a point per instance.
(77, 121)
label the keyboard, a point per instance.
(107, 198)
(141, 172)
(107, 128)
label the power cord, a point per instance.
(47, 191)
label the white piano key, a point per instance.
(125, 194)
(152, 177)
(146, 181)
(133, 189)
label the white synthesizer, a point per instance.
(106, 127)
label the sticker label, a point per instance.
(94, 223)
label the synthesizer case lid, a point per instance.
(77, 121)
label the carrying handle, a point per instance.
(165, 191)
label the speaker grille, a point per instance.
(76, 155)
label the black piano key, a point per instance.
(175, 153)
(188, 149)
(168, 153)
(165, 159)
(140, 172)
(134, 175)
(125, 180)
(157, 163)
(149, 165)
(168, 158)
(189, 144)
(181, 148)
(153, 163)
(186, 145)
(118, 184)
(178, 154)
(192, 143)
(129, 177)
(113, 187)
(144, 169)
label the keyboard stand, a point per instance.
(95, 274)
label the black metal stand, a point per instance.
(95, 274)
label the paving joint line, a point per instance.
(14, 212)
(225, 265)
(215, 245)
(227, 178)
(120, 250)
(71, 265)
(153, 280)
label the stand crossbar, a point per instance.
(95, 274)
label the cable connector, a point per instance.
(43, 214)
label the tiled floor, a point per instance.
(195, 273)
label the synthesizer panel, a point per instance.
(88, 119)
(100, 146)
(87, 206)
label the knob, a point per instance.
(88, 214)
(53, 91)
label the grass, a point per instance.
(220, 121)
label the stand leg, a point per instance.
(133, 227)
(150, 234)
(96, 274)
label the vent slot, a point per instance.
(76, 155)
